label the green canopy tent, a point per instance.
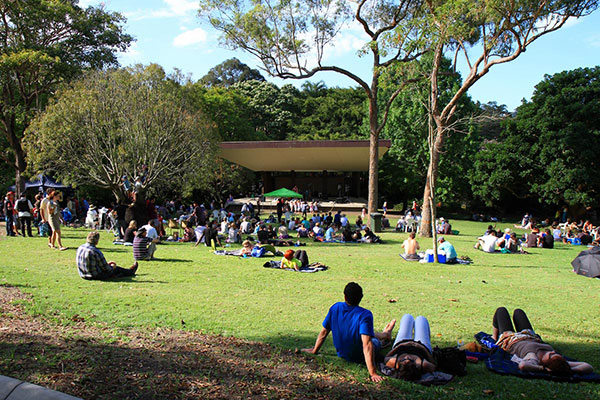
(284, 193)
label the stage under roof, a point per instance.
(302, 156)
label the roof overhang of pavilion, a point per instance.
(302, 156)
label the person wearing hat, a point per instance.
(532, 238)
(143, 247)
(447, 247)
(91, 263)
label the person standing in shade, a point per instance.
(24, 209)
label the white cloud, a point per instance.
(572, 22)
(594, 41)
(190, 37)
(182, 7)
(174, 8)
(87, 3)
(132, 56)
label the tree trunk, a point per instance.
(428, 212)
(373, 157)
(20, 163)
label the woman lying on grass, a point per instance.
(411, 355)
(294, 260)
(535, 355)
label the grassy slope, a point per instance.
(238, 297)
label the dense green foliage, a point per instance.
(330, 113)
(42, 44)
(234, 296)
(134, 122)
(404, 168)
(549, 150)
(229, 72)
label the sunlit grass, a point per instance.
(190, 288)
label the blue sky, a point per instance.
(169, 33)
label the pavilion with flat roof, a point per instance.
(321, 168)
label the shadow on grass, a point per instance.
(175, 364)
(172, 260)
(133, 279)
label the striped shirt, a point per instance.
(91, 262)
(140, 247)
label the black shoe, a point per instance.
(134, 267)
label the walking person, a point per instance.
(54, 221)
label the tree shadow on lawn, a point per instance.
(517, 266)
(173, 364)
(172, 260)
(133, 279)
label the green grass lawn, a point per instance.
(238, 297)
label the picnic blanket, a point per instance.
(314, 267)
(502, 363)
(411, 259)
(235, 253)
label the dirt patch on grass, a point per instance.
(95, 362)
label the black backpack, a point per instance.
(451, 360)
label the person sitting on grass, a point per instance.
(535, 355)
(294, 260)
(209, 237)
(143, 246)
(352, 328)
(410, 247)
(247, 248)
(411, 355)
(546, 240)
(488, 242)
(330, 234)
(91, 263)
(531, 239)
(130, 232)
(512, 244)
(448, 249)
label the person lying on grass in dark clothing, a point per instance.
(535, 355)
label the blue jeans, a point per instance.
(10, 221)
(414, 329)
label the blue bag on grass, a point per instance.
(258, 251)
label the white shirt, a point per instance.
(489, 243)
(344, 221)
(245, 227)
(150, 232)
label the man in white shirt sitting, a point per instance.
(487, 243)
(245, 226)
(151, 232)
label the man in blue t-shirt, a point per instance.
(352, 330)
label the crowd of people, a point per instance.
(409, 356)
